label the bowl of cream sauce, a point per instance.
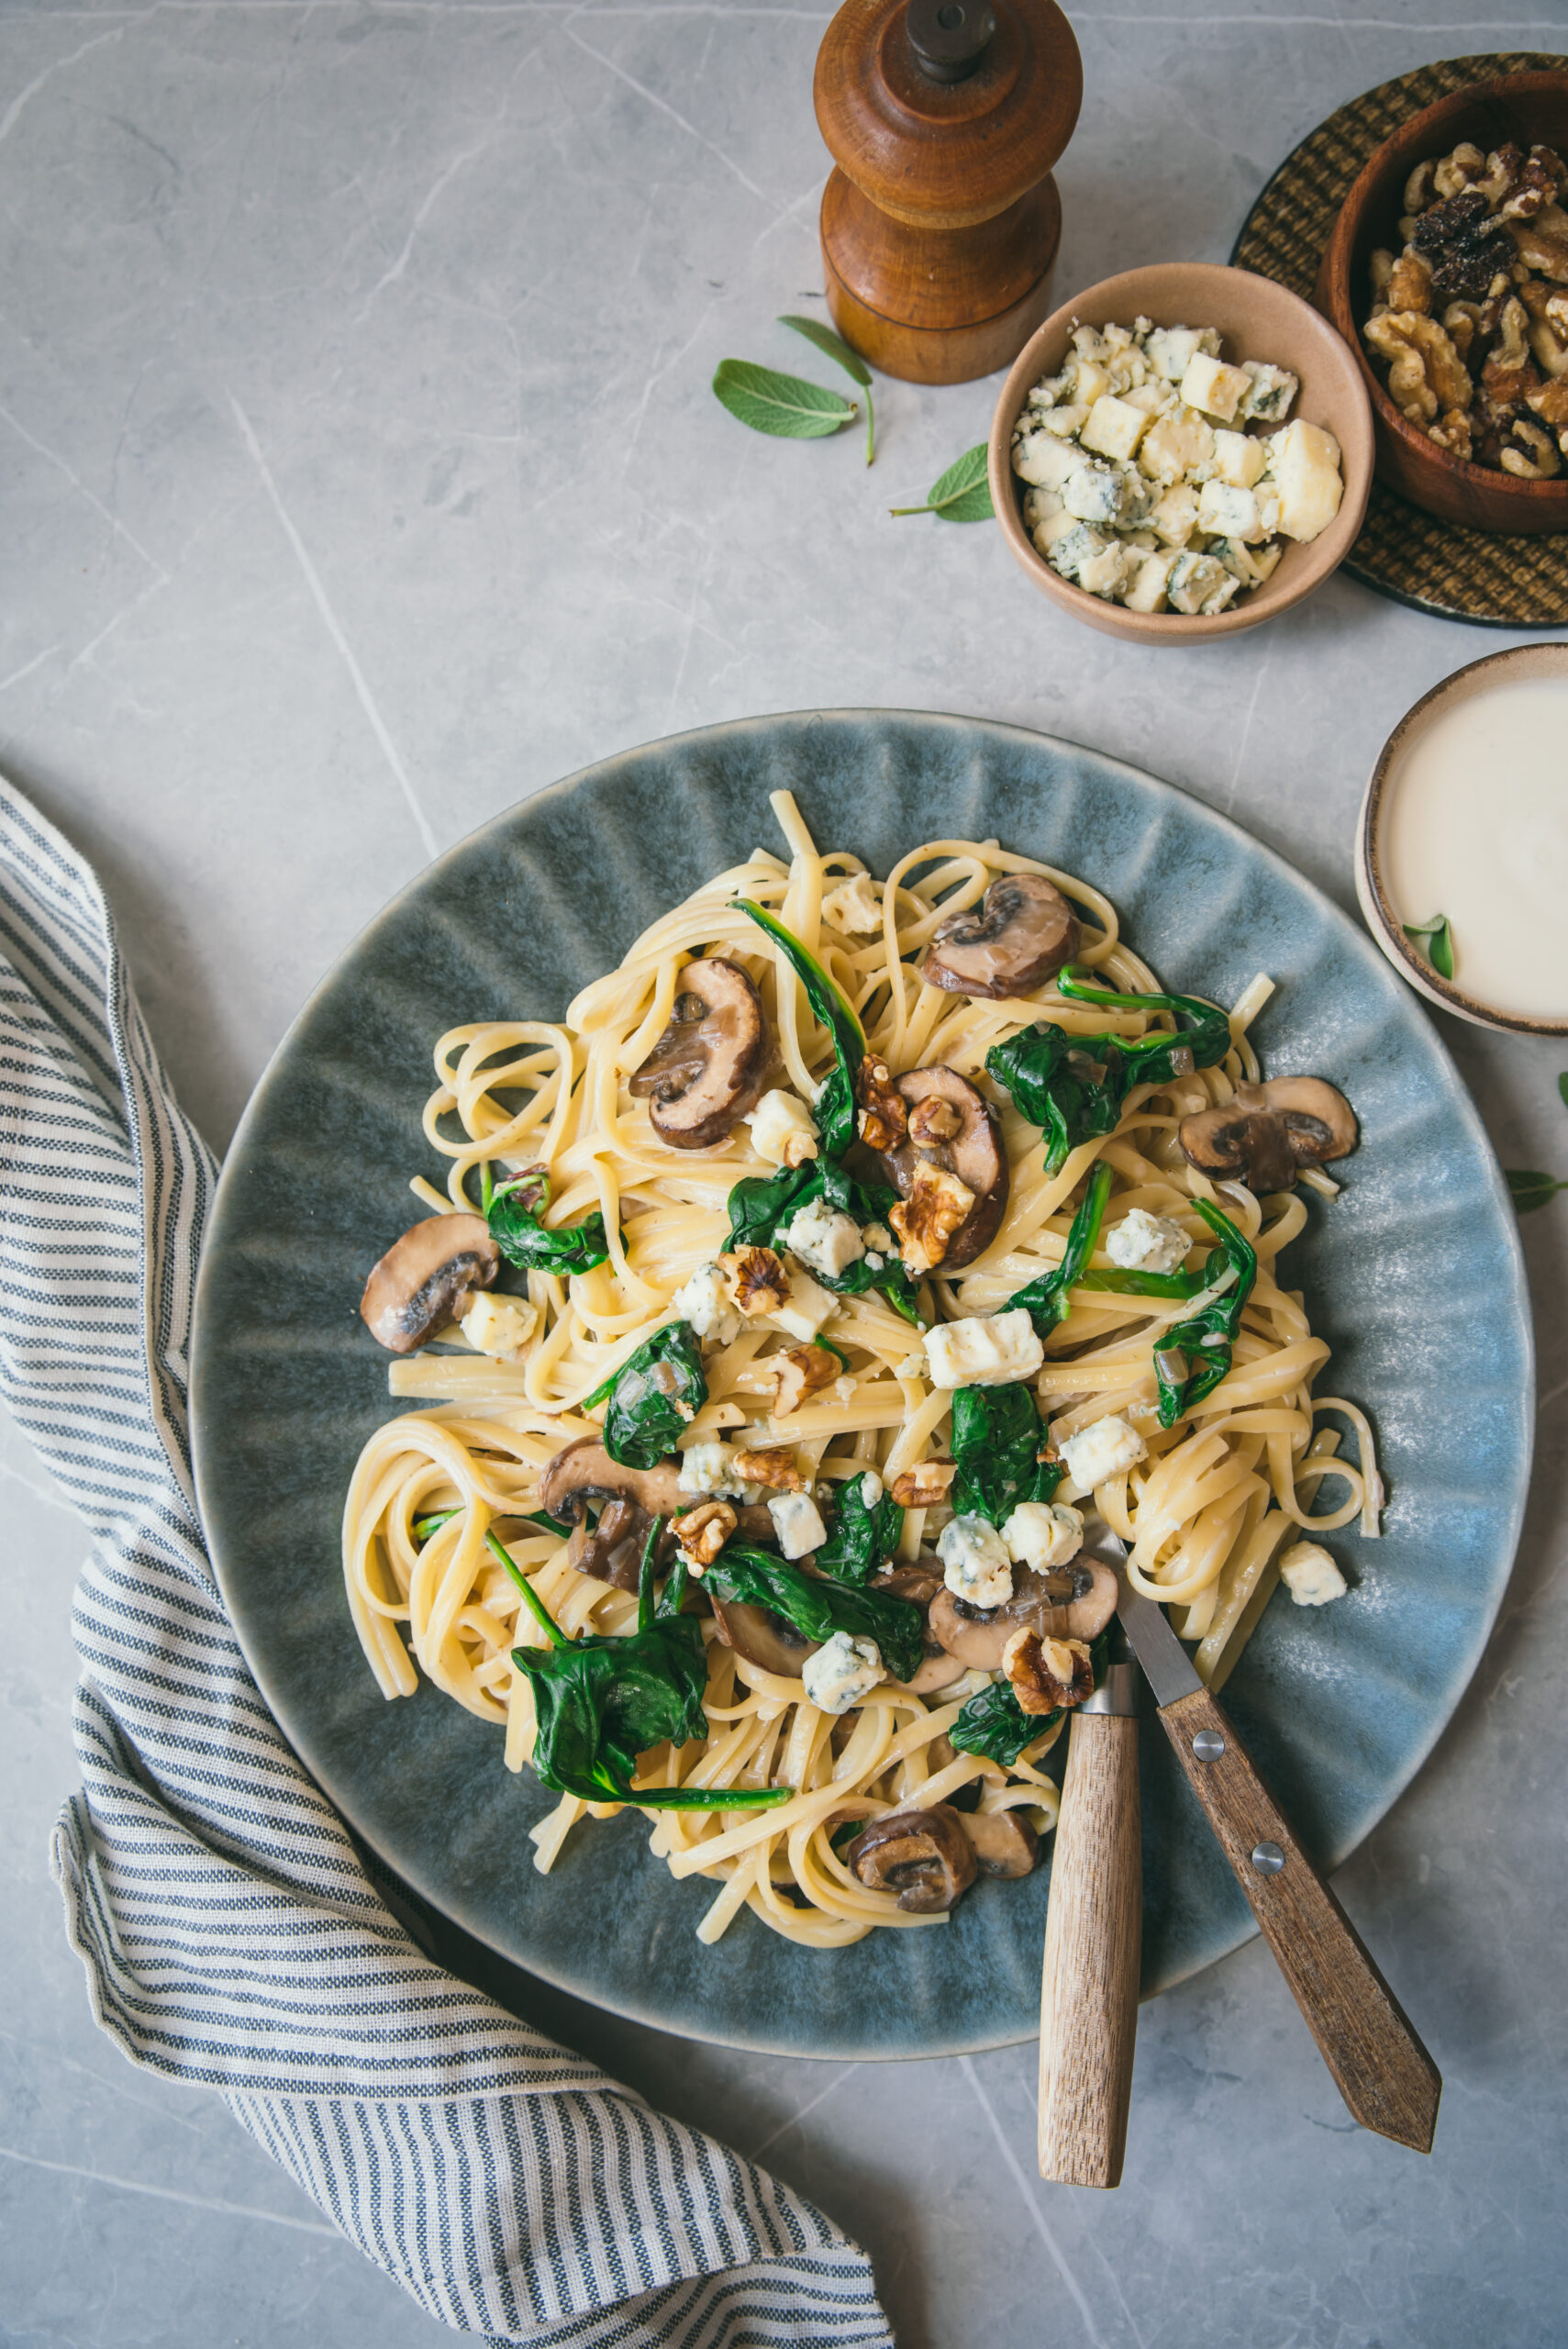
(1465, 820)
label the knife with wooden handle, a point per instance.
(1094, 1926)
(1385, 2076)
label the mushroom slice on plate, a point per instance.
(953, 1128)
(764, 1638)
(1265, 1134)
(428, 1278)
(1019, 935)
(919, 1585)
(1005, 1844)
(1073, 1602)
(632, 1498)
(712, 1062)
(923, 1855)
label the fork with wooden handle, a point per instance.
(1089, 1986)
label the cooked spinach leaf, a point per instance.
(860, 1539)
(1194, 1356)
(425, 1526)
(818, 1607)
(997, 1439)
(1073, 1087)
(513, 1210)
(600, 1702)
(996, 1724)
(762, 1207)
(1046, 1299)
(835, 1107)
(653, 1396)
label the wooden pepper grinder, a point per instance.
(942, 221)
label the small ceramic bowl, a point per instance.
(1257, 319)
(1525, 662)
(1521, 107)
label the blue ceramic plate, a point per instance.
(1413, 1275)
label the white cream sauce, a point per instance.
(1475, 827)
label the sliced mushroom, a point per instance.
(712, 1062)
(1076, 1602)
(923, 1855)
(612, 1550)
(428, 1278)
(1265, 1134)
(764, 1638)
(919, 1585)
(951, 1126)
(1019, 935)
(1004, 1843)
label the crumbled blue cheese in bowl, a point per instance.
(1143, 483)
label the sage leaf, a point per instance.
(1563, 1087)
(1438, 936)
(961, 495)
(1530, 1190)
(786, 405)
(835, 347)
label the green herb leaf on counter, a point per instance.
(653, 1396)
(1530, 1190)
(1438, 935)
(961, 495)
(1563, 1087)
(602, 1701)
(818, 1607)
(835, 347)
(996, 1442)
(860, 1539)
(786, 405)
(1191, 1359)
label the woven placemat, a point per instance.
(1438, 567)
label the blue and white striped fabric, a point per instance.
(230, 1932)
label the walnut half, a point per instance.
(1047, 1673)
(703, 1531)
(1426, 374)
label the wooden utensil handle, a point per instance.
(1384, 2074)
(1088, 1999)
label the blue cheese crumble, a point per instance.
(1143, 484)
(841, 1673)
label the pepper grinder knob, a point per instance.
(949, 37)
(940, 225)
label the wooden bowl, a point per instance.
(1257, 319)
(1524, 107)
(1526, 661)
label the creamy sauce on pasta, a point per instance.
(1476, 828)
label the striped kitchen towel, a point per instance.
(231, 1933)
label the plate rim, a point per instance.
(628, 2005)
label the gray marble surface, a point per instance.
(360, 476)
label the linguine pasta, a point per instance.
(1204, 1514)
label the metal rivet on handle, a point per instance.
(1208, 1745)
(1267, 1858)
